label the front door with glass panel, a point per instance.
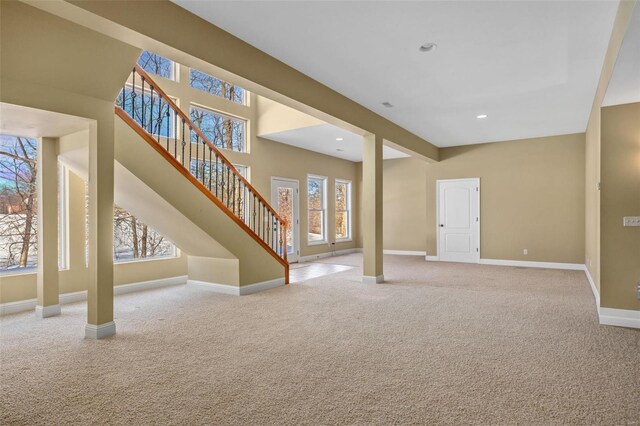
(285, 200)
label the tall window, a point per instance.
(343, 210)
(18, 207)
(224, 131)
(63, 215)
(158, 65)
(210, 84)
(134, 240)
(317, 209)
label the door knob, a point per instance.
(441, 225)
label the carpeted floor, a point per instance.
(437, 344)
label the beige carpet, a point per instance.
(437, 344)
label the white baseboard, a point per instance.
(619, 317)
(528, 264)
(405, 252)
(432, 258)
(238, 291)
(19, 306)
(78, 296)
(258, 287)
(366, 279)
(303, 259)
(217, 288)
(47, 311)
(101, 331)
(594, 289)
(148, 285)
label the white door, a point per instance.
(285, 200)
(459, 220)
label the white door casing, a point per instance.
(458, 220)
(282, 186)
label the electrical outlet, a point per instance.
(525, 252)
(631, 221)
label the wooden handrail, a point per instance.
(147, 137)
(196, 129)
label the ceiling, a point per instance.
(322, 138)
(531, 66)
(624, 86)
(33, 123)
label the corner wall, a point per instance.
(620, 196)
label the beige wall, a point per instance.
(405, 204)
(592, 170)
(532, 196)
(620, 196)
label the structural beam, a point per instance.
(177, 33)
(372, 209)
(48, 304)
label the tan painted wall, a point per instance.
(273, 159)
(405, 204)
(620, 196)
(592, 158)
(274, 117)
(532, 196)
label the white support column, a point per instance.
(101, 173)
(372, 209)
(48, 304)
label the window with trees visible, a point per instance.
(210, 84)
(134, 240)
(148, 109)
(317, 209)
(158, 65)
(18, 206)
(213, 176)
(223, 131)
(343, 210)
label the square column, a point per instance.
(101, 174)
(372, 209)
(48, 304)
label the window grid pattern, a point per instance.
(343, 210)
(316, 209)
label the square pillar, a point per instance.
(48, 304)
(101, 184)
(372, 209)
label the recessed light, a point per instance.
(428, 47)
(481, 116)
(339, 139)
(387, 104)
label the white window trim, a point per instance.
(175, 68)
(349, 210)
(63, 217)
(224, 114)
(324, 180)
(245, 97)
(174, 255)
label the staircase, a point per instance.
(153, 116)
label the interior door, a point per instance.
(459, 220)
(285, 200)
